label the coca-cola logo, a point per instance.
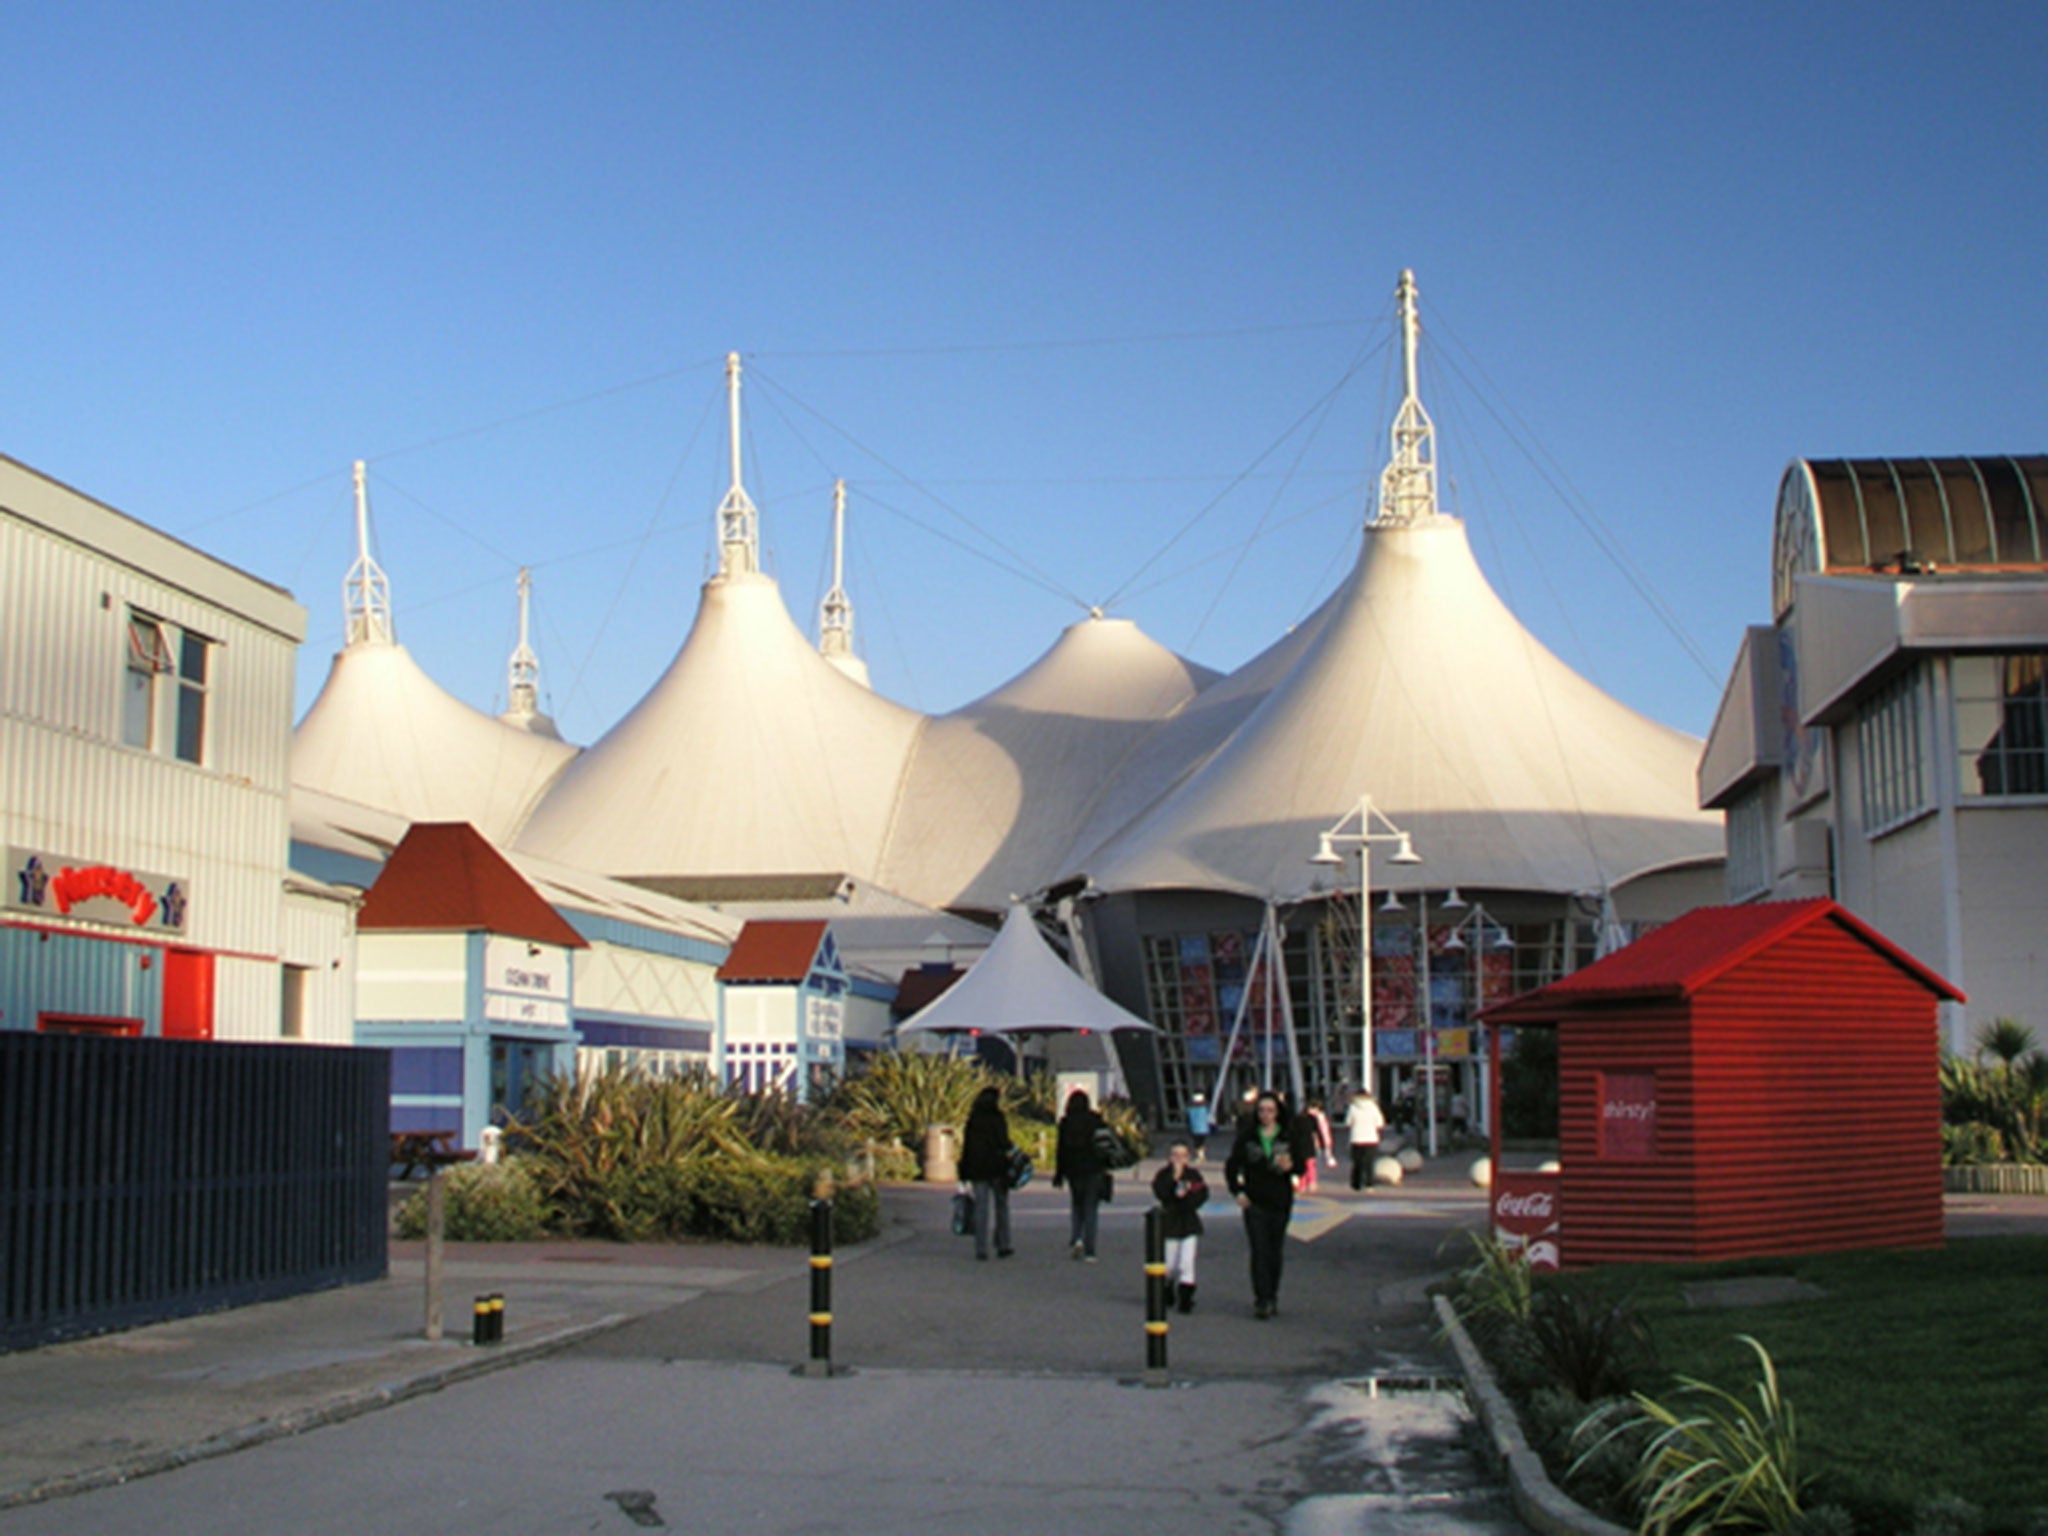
(1538, 1205)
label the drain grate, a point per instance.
(1392, 1385)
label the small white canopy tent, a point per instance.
(1021, 987)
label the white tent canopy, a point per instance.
(1020, 987)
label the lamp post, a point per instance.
(1367, 817)
(1482, 924)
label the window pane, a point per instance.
(192, 653)
(137, 694)
(191, 724)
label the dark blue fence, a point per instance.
(148, 1179)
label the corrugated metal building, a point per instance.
(145, 731)
(1745, 1080)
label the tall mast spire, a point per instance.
(835, 613)
(739, 546)
(523, 674)
(365, 593)
(1408, 484)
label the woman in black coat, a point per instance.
(1078, 1164)
(985, 1164)
(1180, 1191)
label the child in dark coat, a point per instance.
(1180, 1191)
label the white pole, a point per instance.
(1365, 1062)
(1426, 1013)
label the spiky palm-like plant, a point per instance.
(1713, 1461)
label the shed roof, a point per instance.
(1675, 962)
(774, 949)
(443, 875)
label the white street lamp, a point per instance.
(1367, 817)
(1488, 932)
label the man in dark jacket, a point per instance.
(1260, 1174)
(1079, 1168)
(985, 1163)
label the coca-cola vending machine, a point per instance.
(1525, 1216)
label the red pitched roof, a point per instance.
(921, 984)
(443, 876)
(1675, 961)
(774, 949)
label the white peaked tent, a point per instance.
(1415, 685)
(997, 788)
(384, 734)
(1020, 987)
(1420, 688)
(753, 755)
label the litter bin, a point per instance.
(941, 1154)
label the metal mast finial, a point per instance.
(835, 613)
(523, 675)
(739, 546)
(1408, 484)
(365, 593)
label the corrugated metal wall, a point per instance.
(75, 975)
(1798, 1111)
(72, 788)
(319, 935)
(147, 1179)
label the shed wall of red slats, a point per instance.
(1798, 1111)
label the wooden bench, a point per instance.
(411, 1150)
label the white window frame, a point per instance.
(166, 680)
(1891, 754)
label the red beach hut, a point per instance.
(1747, 1080)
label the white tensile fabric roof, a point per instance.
(1420, 688)
(751, 755)
(1021, 987)
(384, 733)
(997, 790)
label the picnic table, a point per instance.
(411, 1150)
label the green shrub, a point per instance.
(483, 1203)
(1712, 1463)
(903, 1093)
(1497, 1284)
(1593, 1348)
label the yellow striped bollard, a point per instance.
(1155, 1302)
(820, 1363)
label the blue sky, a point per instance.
(1054, 287)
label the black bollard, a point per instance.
(480, 1321)
(820, 1363)
(1155, 1302)
(497, 1317)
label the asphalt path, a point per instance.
(1353, 1299)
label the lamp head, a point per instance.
(1326, 852)
(1392, 904)
(1453, 902)
(1405, 853)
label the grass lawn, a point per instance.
(1915, 1375)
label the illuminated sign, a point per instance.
(56, 885)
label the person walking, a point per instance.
(1260, 1175)
(1078, 1165)
(1198, 1126)
(985, 1163)
(1364, 1122)
(1180, 1190)
(1317, 1125)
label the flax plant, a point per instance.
(1715, 1462)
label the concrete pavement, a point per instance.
(913, 1308)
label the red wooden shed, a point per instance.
(1747, 1080)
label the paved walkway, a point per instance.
(913, 1309)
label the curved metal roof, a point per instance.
(1909, 517)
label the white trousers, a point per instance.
(1180, 1260)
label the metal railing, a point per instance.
(147, 1179)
